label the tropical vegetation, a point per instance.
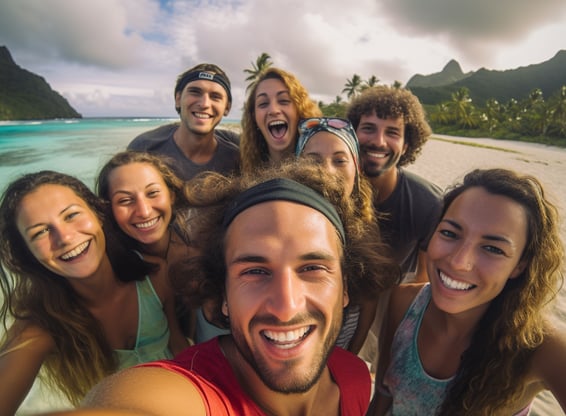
(535, 118)
(262, 62)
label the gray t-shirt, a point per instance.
(410, 216)
(160, 141)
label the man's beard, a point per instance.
(303, 379)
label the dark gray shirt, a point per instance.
(160, 141)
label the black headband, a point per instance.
(208, 76)
(282, 189)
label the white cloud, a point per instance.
(114, 57)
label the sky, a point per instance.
(120, 58)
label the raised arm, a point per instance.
(21, 358)
(147, 390)
(550, 364)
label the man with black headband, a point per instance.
(281, 256)
(202, 98)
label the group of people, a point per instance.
(279, 253)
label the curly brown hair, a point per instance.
(366, 264)
(493, 369)
(386, 102)
(253, 148)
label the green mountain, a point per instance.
(451, 73)
(26, 96)
(483, 84)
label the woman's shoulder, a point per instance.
(549, 356)
(24, 335)
(401, 298)
(404, 294)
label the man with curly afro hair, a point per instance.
(391, 127)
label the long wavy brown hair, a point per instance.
(493, 369)
(35, 295)
(254, 153)
(366, 265)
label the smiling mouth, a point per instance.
(76, 252)
(202, 116)
(277, 128)
(287, 339)
(147, 224)
(454, 284)
(377, 155)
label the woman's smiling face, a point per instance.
(475, 249)
(61, 231)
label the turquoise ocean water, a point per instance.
(78, 147)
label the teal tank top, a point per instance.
(414, 392)
(153, 330)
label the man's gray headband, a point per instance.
(282, 189)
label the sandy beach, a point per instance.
(446, 159)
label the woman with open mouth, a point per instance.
(78, 304)
(275, 104)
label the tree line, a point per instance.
(533, 118)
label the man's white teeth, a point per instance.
(377, 155)
(286, 336)
(147, 224)
(201, 115)
(76, 251)
(454, 284)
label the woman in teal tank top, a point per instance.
(73, 294)
(149, 206)
(477, 340)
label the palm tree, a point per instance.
(492, 114)
(262, 62)
(371, 82)
(462, 108)
(537, 114)
(559, 117)
(397, 85)
(353, 86)
(441, 115)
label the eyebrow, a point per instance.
(39, 224)
(490, 237)
(395, 129)
(277, 94)
(123, 191)
(314, 255)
